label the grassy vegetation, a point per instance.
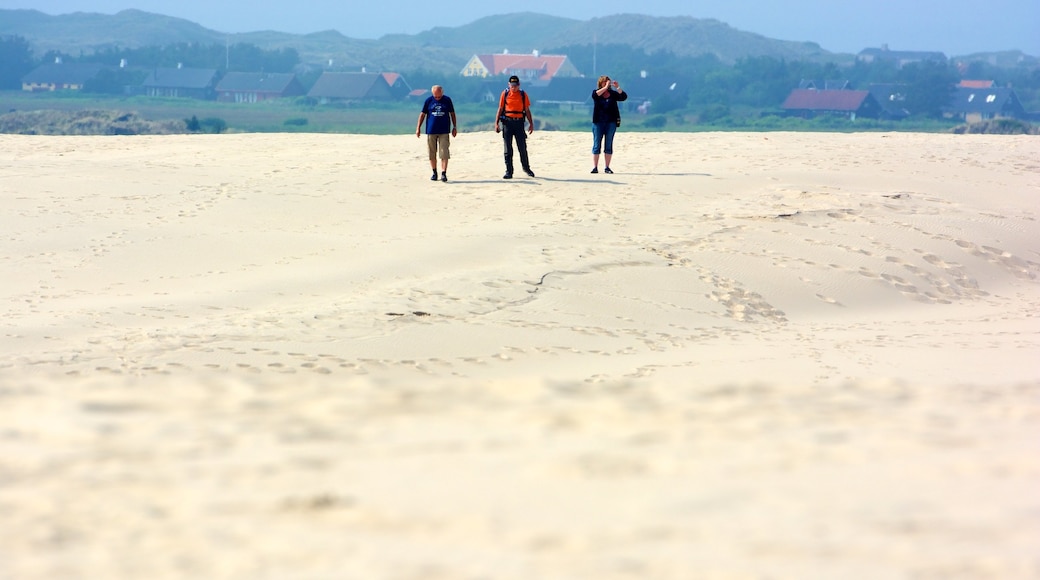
(163, 115)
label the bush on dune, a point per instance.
(84, 122)
(997, 127)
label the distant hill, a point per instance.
(85, 31)
(440, 49)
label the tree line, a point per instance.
(17, 60)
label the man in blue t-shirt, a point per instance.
(439, 114)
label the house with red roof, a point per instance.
(973, 84)
(810, 103)
(529, 67)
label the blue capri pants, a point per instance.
(603, 137)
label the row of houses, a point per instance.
(971, 101)
(233, 87)
(245, 87)
(552, 79)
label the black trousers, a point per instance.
(514, 130)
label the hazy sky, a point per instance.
(952, 26)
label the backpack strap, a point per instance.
(502, 104)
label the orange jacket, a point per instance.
(513, 105)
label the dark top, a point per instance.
(438, 118)
(605, 109)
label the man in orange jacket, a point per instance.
(514, 108)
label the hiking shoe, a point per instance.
(444, 176)
(434, 176)
(595, 170)
(607, 170)
(529, 172)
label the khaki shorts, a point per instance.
(441, 141)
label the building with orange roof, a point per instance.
(529, 67)
(970, 84)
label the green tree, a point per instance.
(15, 61)
(929, 87)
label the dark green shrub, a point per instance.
(212, 125)
(997, 127)
(655, 121)
(713, 113)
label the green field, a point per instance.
(298, 116)
(288, 115)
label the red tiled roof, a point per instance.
(825, 100)
(548, 64)
(976, 84)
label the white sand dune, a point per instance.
(778, 355)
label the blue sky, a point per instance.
(955, 27)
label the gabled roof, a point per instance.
(181, 78)
(258, 82)
(564, 90)
(62, 73)
(526, 66)
(825, 100)
(891, 97)
(346, 85)
(986, 101)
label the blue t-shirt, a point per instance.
(438, 120)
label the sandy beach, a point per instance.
(741, 356)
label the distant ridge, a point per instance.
(441, 49)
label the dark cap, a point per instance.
(514, 79)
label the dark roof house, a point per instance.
(979, 104)
(359, 86)
(247, 87)
(194, 83)
(59, 76)
(564, 93)
(892, 98)
(809, 103)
